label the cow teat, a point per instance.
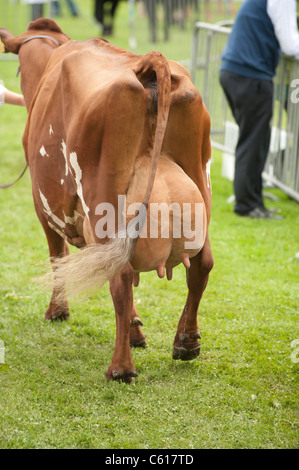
(186, 260)
(161, 270)
(169, 274)
(136, 279)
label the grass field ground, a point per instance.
(242, 392)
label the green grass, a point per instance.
(242, 392)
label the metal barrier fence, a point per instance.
(282, 166)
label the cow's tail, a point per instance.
(153, 71)
(87, 270)
(95, 264)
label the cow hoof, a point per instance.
(137, 338)
(57, 316)
(186, 346)
(60, 316)
(141, 343)
(125, 376)
(179, 352)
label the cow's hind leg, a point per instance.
(137, 338)
(186, 345)
(121, 367)
(57, 310)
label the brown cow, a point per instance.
(108, 129)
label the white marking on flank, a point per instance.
(69, 220)
(61, 181)
(51, 132)
(58, 231)
(43, 152)
(72, 220)
(78, 177)
(48, 211)
(63, 149)
(208, 171)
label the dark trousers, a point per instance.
(105, 10)
(251, 102)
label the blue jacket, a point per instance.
(252, 49)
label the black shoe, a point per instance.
(263, 213)
(107, 30)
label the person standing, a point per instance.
(261, 31)
(104, 13)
